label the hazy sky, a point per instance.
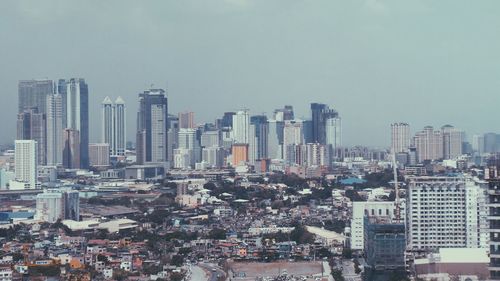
(376, 62)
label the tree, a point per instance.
(337, 275)
(347, 253)
(177, 260)
(217, 234)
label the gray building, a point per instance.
(152, 127)
(31, 125)
(33, 93)
(77, 115)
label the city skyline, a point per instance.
(351, 57)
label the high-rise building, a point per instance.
(400, 137)
(188, 142)
(77, 115)
(227, 120)
(261, 133)
(54, 130)
(478, 144)
(152, 127)
(25, 165)
(284, 114)
(33, 94)
(186, 120)
(213, 156)
(333, 130)
(494, 227)
(385, 245)
(71, 149)
(99, 155)
(453, 140)
(240, 154)
(292, 136)
(320, 114)
(491, 143)
(58, 204)
(31, 125)
(114, 125)
(429, 144)
(360, 210)
(241, 127)
(446, 212)
(211, 139)
(274, 145)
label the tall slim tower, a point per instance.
(186, 120)
(33, 93)
(71, 151)
(400, 137)
(152, 127)
(77, 115)
(107, 122)
(120, 127)
(54, 130)
(261, 135)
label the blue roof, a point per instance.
(352, 181)
(5, 216)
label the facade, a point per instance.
(211, 139)
(494, 227)
(71, 150)
(58, 204)
(400, 137)
(152, 127)
(241, 127)
(275, 139)
(33, 94)
(292, 136)
(77, 115)
(452, 142)
(360, 210)
(429, 144)
(54, 130)
(240, 154)
(25, 165)
(186, 120)
(114, 125)
(99, 155)
(31, 125)
(213, 156)
(446, 212)
(188, 141)
(261, 133)
(385, 244)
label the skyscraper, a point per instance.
(261, 127)
(58, 204)
(453, 139)
(99, 155)
(292, 136)
(152, 127)
(333, 131)
(446, 212)
(429, 144)
(320, 114)
(113, 125)
(186, 120)
(54, 130)
(400, 137)
(33, 93)
(31, 125)
(26, 165)
(77, 115)
(241, 126)
(71, 150)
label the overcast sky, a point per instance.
(376, 62)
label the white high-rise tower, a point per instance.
(400, 137)
(26, 165)
(241, 127)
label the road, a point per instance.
(213, 270)
(348, 271)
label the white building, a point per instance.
(429, 144)
(187, 141)
(333, 128)
(210, 139)
(25, 165)
(446, 212)
(241, 127)
(292, 136)
(370, 209)
(99, 154)
(453, 139)
(55, 204)
(400, 137)
(275, 150)
(213, 156)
